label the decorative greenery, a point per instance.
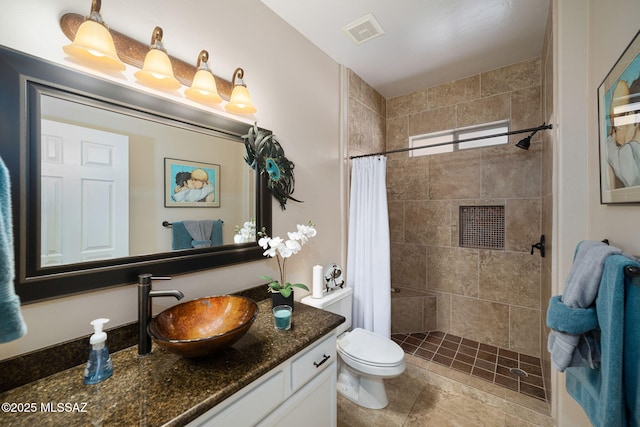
(266, 156)
(281, 250)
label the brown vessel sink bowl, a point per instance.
(203, 326)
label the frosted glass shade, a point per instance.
(93, 44)
(157, 71)
(240, 102)
(204, 89)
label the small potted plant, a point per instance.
(276, 247)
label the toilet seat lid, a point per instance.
(370, 348)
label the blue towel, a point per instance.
(183, 240)
(181, 237)
(570, 320)
(12, 324)
(609, 394)
(631, 370)
(579, 349)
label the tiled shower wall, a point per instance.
(491, 296)
(367, 118)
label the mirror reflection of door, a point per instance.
(84, 194)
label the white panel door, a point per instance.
(85, 194)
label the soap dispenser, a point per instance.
(99, 366)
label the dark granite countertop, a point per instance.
(163, 388)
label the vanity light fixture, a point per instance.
(157, 71)
(204, 88)
(240, 101)
(93, 43)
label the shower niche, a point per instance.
(482, 227)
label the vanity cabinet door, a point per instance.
(253, 404)
(314, 405)
(300, 392)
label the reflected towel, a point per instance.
(609, 394)
(183, 240)
(200, 232)
(12, 324)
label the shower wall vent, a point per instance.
(363, 29)
(482, 227)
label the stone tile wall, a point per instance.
(367, 111)
(491, 296)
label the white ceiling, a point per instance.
(426, 42)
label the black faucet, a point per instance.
(145, 293)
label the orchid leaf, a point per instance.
(286, 292)
(299, 285)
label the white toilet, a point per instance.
(366, 358)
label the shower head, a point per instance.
(526, 142)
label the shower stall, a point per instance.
(464, 224)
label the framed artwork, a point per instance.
(619, 129)
(191, 184)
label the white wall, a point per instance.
(612, 26)
(588, 42)
(296, 89)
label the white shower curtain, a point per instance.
(368, 257)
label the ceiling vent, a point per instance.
(363, 29)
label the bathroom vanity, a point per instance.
(268, 377)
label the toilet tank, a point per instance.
(337, 301)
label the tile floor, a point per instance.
(518, 372)
(431, 394)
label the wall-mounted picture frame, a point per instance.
(619, 129)
(191, 184)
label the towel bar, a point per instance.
(631, 271)
(167, 224)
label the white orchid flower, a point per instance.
(276, 247)
(293, 246)
(284, 251)
(274, 242)
(271, 252)
(264, 242)
(298, 237)
(307, 230)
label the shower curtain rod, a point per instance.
(513, 132)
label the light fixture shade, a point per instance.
(93, 44)
(157, 71)
(240, 101)
(203, 89)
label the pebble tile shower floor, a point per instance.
(505, 368)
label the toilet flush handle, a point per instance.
(324, 359)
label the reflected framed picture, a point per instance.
(191, 184)
(619, 129)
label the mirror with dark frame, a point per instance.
(102, 175)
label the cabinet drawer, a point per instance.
(313, 361)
